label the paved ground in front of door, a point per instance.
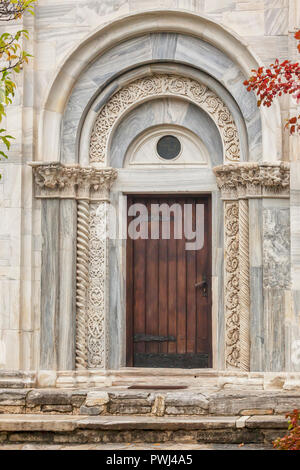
(153, 447)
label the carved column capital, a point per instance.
(58, 181)
(252, 180)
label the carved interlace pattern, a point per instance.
(164, 85)
(96, 342)
(232, 314)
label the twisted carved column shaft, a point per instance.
(82, 281)
(244, 293)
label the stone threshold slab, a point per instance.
(193, 378)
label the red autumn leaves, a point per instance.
(276, 80)
(291, 441)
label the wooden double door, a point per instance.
(168, 292)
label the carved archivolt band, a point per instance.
(82, 282)
(164, 85)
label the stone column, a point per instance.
(76, 337)
(239, 183)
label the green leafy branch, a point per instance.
(12, 58)
(13, 9)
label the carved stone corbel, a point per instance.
(59, 181)
(251, 179)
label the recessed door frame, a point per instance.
(129, 283)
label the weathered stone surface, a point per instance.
(257, 412)
(230, 436)
(57, 408)
(31, 437)
(187, 399)
(91, 410)
(132, 402)
(104, 429)
(46, 378)
(287, 404)
(159, 405)
(226, 403)
(12, 409)
(150, 422)
(122, 408)
(274, 422)
(97, 399)
(48, 397)
(12, 397)
(128, 394)
(241, 422)
(271, 435)
(185, 410)
(78, 397)
(39, 422)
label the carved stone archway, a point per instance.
(90, 187)
(162, 85)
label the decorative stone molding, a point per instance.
(82, 282)
(238, 182)
(244, 281)
(251, 179)
(55, 180)
(232, 286)
(236, 285)
(164, 85)
(97, 344)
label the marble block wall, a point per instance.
(58, 27)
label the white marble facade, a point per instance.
(85, 53)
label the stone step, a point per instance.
(52, 429)
(123, 401)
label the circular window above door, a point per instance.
(168, 147)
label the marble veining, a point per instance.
(276, 248)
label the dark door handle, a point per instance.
(203, 285)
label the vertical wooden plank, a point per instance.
(163, 290)
(172, 288)
(191, 289)
(181, 290)
(204, 303)
(129, 295)
(201, 300)
(209, 269)
(151, 285)
(139, 291)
